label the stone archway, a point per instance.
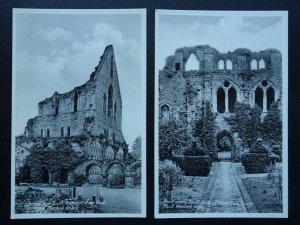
(114, 174)
(225, 144)
(93, 173)
(136, 170)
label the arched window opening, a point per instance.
(45, 176)
(165, 113)
(259, 97)
(109, 153)
(68, 132)
(270, 97)
(48, 133)
(94, 174)
(261, 64)
(221, 100)
(75, 102)
(104, 104)
(115, 111)
(253, 64)
(221, 65)
(228, 64)
(110, 102)
(177, 66)
(62, 132)
(192, 63)
(231, 99)
(111, 67)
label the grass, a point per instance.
(186, 197)
(116, 200)
(264, 194)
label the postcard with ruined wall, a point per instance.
(221, 114)
(78, 123)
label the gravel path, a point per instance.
(225, 195)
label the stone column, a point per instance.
(265, 100)
(226, 101)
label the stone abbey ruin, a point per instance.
(194, 75)
(87, 120)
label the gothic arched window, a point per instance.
(75, 104)
(264, 95)
(104, 103)
(221, 65)
(165, 113)
(231, 99)
(221, 100)
(115, 111)
(228, 64)
(110, 102)
(192, 63)
(253, 64)
(259, 97)
(270, 97)
(261, 64)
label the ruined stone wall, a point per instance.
(82, 109)
(185, 89)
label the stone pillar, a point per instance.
(129, 179)
(265, 100)
(226, 101)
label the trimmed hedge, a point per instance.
(255, 162)
(193, 165)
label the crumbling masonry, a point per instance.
(221, 79)
(93, 109)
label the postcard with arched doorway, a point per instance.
(221, 114)
(78, 123)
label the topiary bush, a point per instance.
(195, 161)
(194, 165)
(255, 162)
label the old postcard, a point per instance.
(78, 123)
(221, 114)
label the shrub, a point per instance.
(116, 175)
(30, 195)
(169, 175)
(172, 139)
(78, 179)
(255, 162)
(194, 165)
(194, 150)
(247, 122)
(204, 129)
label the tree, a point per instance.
(272, 124)
(54, 160)
(247, 122)
(172, 139)
(136, 148)
(204, 130)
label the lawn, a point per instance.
(186, 197)
(264, 194)
(125, 200)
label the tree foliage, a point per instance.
(172, 139)
(247, 122)
(272, 124)
(204, 130)
(60, 157)
(136, 148)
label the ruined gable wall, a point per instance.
(107, 75)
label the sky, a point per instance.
(223, 32)
(57, 52)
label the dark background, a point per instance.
(5, 100)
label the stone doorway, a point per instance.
(225, 144)
(94, 174)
